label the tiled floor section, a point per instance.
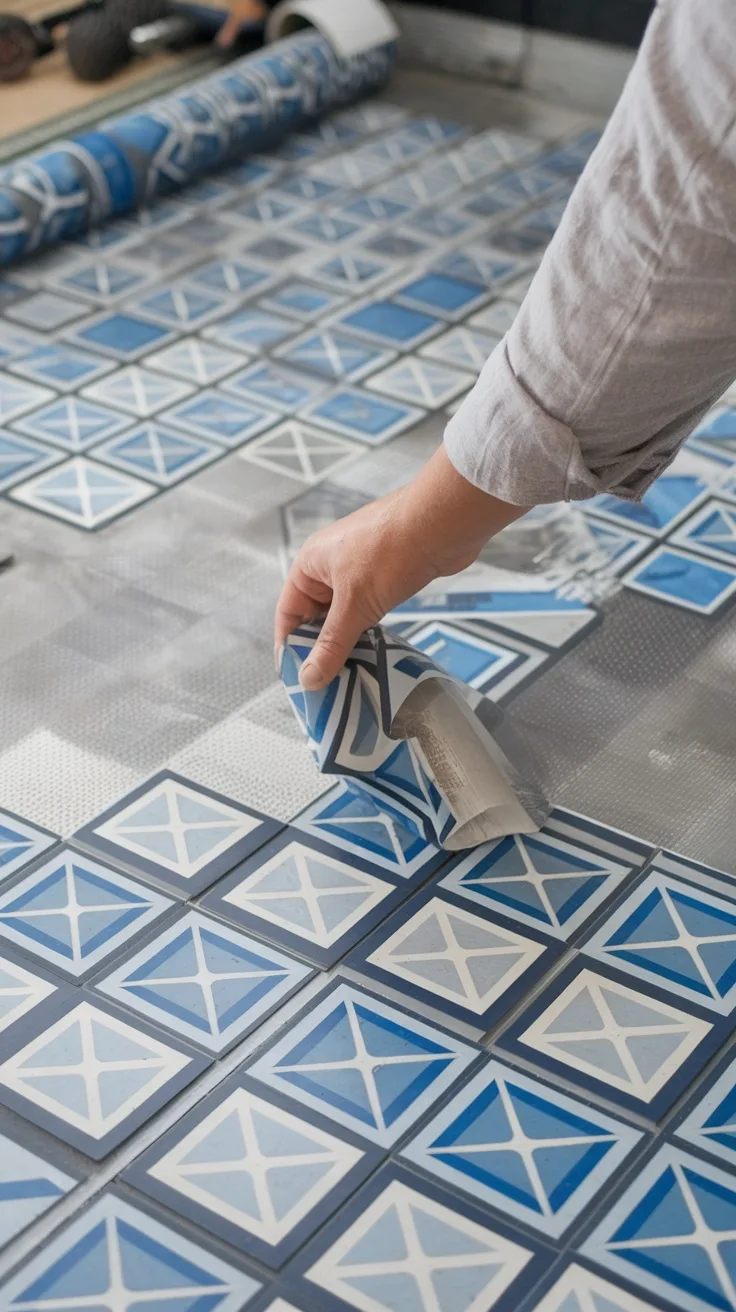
(262, 1047)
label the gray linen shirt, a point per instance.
(628, 333)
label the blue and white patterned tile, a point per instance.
(252, 173)
(29, 1187)
(353, 169)
(397, 244)
(206, 228)
(525, 604)
(495, 318)
(677, 934)
(334, 354)
(716, 436)
(420, 382)
(73, 914)
(356, 414)
(103, 279)
(710, 531)
(634, 1047)
(266, 210)
(21, 456)
(523, 1149)
(195, 361)
(310, 188)
(490, 662)
(94, 1075)
(570, 157)
(371, 1067)
(121, 335)
(500, 147)
(209, 983)
(59, 366)
(82, 493)
(17, 398)
(72, 424)
(298, 893)
(178, 833)
(301, 300)
(46, 311)
(122, 1258)
(20, 843)
(254, 1170)
(15, 342)
(619, 546)
(681, 579)
(328, 229)
(457, 960)
(444, 224)
(351, 272)
(726, 487)
(251, 330)
(404, 1244)
(681, 489)
(432, 132)
(276, 250)
(672, 1233)
(298, 451)
(215, 415)
(480, 266)
(391, 324)
(181, 307)
(464, 348)
(278, 386)
(555, 880)
(138, 391)
(24, 987)
(374, 209)
(707, 1122)
(157, 453)
(353, 824)
(581, 1290)
(230, 277)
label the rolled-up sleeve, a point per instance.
(628, 332)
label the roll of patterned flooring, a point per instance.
(249, 106)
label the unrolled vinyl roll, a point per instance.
(249, 106)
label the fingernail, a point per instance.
(310, 677)
(278, 656)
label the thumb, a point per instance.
(343, 626)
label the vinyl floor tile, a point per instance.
(92, 1077)
(208, 982)
(546, 879)
(301, 452)
(124, 1258)
(29, 1187)
(355, 825)
(72, 913)
(178, 833)
(672, 1233)
(580, 1290)
(254, 1170)
(366, 1065)
(298, 892)
(83, 493)
(20, 843)
(634, 1047)
(72, 424)
(523, 1149)
(404, 1244)
(470, 965)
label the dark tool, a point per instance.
(22, 42)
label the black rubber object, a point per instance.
(21, 43)
(97, 41)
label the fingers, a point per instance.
(344, 624)
(302, 599)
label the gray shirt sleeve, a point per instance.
(628, 332)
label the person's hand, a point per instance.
(359, 568)
(239, 12)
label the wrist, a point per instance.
(450, 517)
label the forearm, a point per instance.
(628, 333)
